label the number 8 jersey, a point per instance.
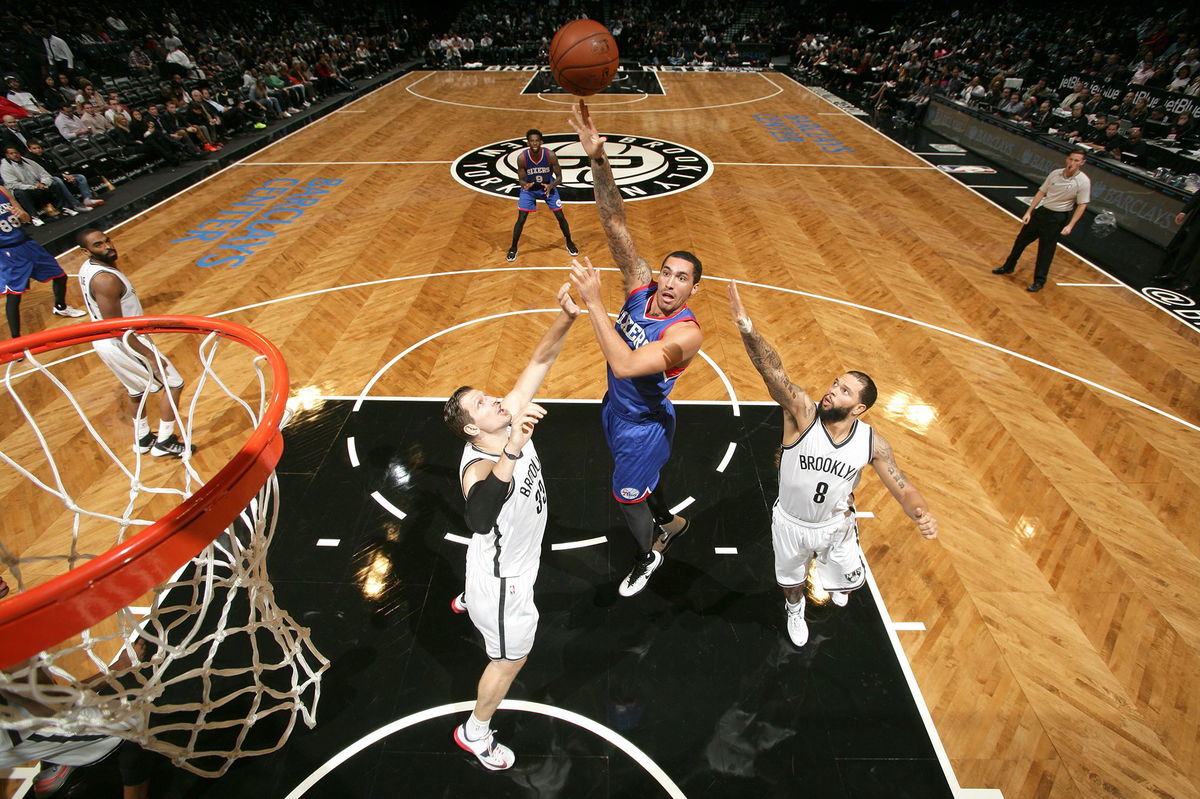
(817, 476)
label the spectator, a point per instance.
(1111, 142)
(1081, 95)
(22, 98)
(1183, 77)
(175, 121)
(58, 54)
(1043, 119)
(139, 61)
(1134, 151)
(11, 135)
(35, 188)
(179, 138)
(95, 119)
(1077, 127)
(75, 182)
(154, 141)
(70, 125)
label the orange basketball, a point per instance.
(583, 57)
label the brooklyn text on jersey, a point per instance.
(641, 167)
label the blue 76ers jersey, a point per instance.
(10, 227)
(538, 171)
(638, 398)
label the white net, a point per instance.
(206, 668)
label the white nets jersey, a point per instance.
(130, 304)
(514, 546)
(817, 476)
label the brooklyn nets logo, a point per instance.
(642, 167)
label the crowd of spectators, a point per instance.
(90, 101)
(1010, 61)
(707, 33)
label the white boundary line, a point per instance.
(329, 542)
(599, 109)
(457, 539)
(337, 163)
(1004, 210)
(725, 550)
(685, 503)
(586, 542)
(1095, 285)
(728, 456)
(389, 507)
(984, 186)
(729, 387)
(823, 166)
(611, 736)
(352, 451)
(911, 679)
(915, 626)
(23, 773)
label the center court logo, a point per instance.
(642, 167)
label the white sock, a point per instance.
(140, 428)
(793, 607)
(476, 729)
(165, 429)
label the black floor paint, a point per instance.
(697, 671)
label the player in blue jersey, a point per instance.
(22, 258)
(655, 338)
(540, 176)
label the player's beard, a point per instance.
(832, 413)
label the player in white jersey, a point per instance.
(501, 480)
(825, 447)
(108, 294)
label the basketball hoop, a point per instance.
(212, 654)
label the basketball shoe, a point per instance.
(459, 603)
(494, 756)
(797, 627)
(639, 575)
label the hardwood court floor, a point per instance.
(1055, 435)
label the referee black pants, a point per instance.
(1044, 226)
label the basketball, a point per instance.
(583, 57)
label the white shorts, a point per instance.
(502, 609)
(131, 369)
(834, 546)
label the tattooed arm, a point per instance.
(901, 487)
(798, 408)
(609, 203)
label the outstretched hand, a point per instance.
(589, 137)
(586, 279)
(565, 302)
(522, 426)
(926, 523)
(739, 311)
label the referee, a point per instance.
(1063, 196)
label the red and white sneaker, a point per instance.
(459, 603)
(494, 756)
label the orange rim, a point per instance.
(34, 620)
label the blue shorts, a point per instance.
(528, 200)
(20, 262)
(639, 450)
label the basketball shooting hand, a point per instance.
(926, 523)
(587, 281)
(522, 426)
(565, 302)
(589, 137)
(739, 312)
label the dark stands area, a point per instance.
(112, 111)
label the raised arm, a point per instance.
(901, 487)
(791, 397)
(609, 203)
(678, 345)
(544, 354)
